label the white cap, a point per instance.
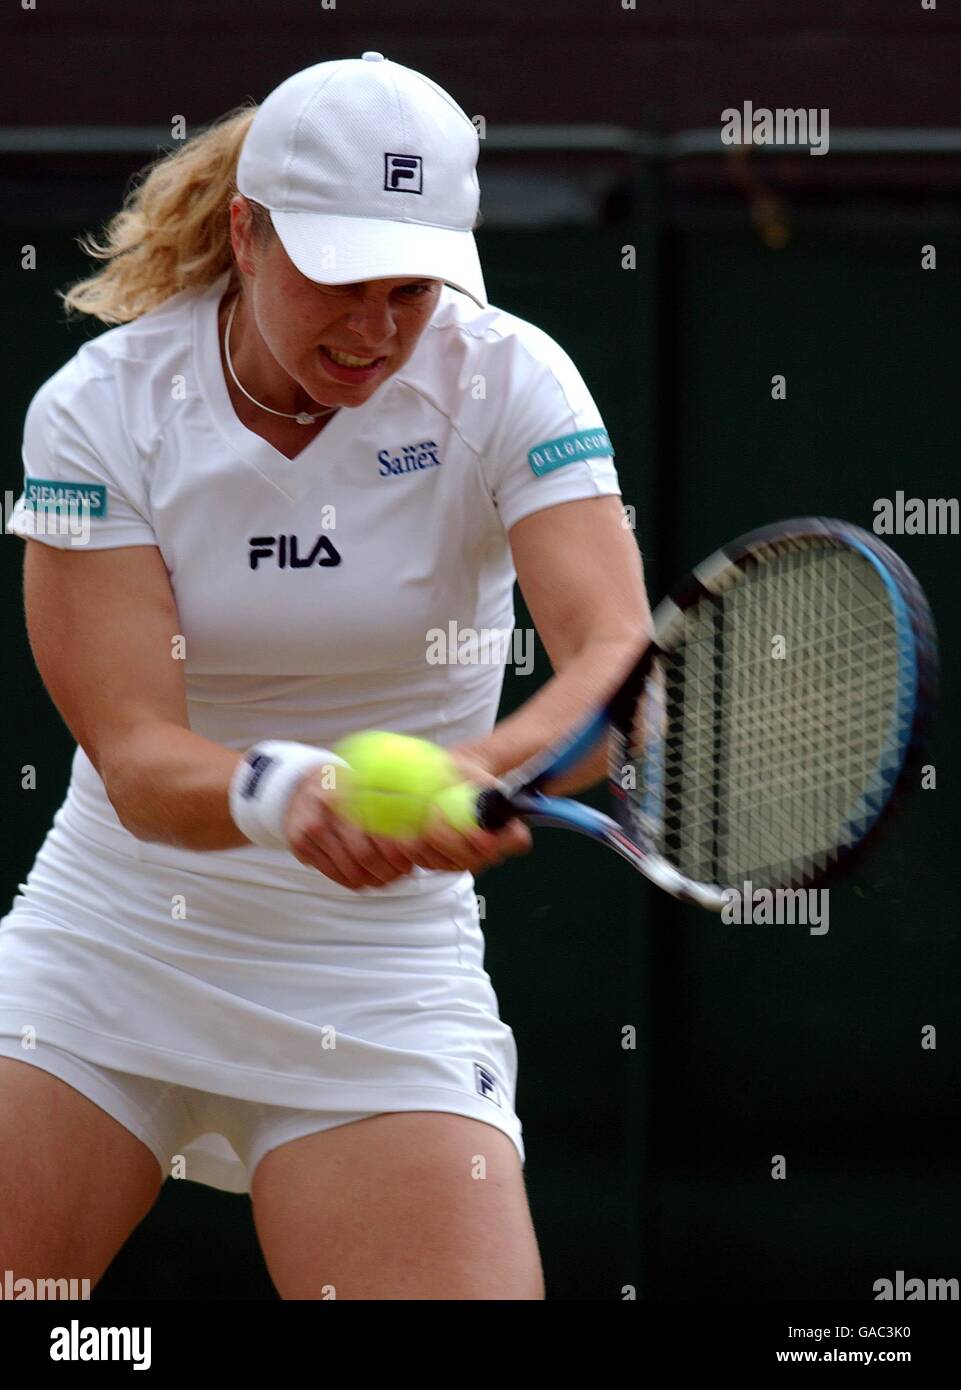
(369, 171)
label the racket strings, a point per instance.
(777, 721)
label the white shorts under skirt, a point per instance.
(216, 1019)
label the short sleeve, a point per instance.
(550, 445)
(81, 484)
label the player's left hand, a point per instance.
(443, 847)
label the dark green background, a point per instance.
(651, 1167)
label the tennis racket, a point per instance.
(770, 726)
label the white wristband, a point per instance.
(263, 785)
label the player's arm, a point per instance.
(102, 627)
(581, 575)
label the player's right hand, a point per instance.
(324, 840)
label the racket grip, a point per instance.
(494, 810)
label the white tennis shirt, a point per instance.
(332, 592)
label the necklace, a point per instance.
(302, 416)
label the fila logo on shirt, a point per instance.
(284, 552)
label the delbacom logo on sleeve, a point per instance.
(586, 444)
(47, 495)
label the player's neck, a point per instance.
(287, 436)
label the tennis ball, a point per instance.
(458, 805)
(390, 782)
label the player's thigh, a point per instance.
(415, 1205)
(74, 1182)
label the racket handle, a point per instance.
(493, 809)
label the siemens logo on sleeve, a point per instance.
(46, 494)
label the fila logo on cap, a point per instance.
(314, 155)
(403, 173)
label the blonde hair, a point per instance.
(173, 231)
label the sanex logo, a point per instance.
(411, 459)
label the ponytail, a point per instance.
(173, 231)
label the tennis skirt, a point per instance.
(216, 1018)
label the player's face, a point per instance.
(338, 342)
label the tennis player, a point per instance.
(307, 445)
